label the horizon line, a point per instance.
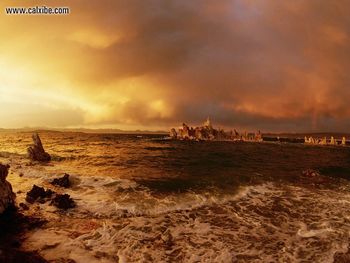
(160, 131)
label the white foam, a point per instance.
(119, 220)
(305, 232)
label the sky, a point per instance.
(153, 64)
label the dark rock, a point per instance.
(36, 152)
(13, 225)
(7, 196)
(4, 171)
(14, 255)
(63, 201)
(38, 193)
(63, 181)
(23, 206)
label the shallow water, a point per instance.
(146, 199)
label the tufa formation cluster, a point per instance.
(206, 132)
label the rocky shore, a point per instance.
(7, 197)
(14, 222)
(13, 225)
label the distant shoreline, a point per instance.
(91, 131)
(146, 132)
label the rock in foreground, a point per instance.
(36, 152)
(7, 197)
(38, 193)
(13, 226)
(63, 181)
(63, 201)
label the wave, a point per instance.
(151, 148)
(5, 154)
(258, 224)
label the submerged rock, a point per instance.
(63, 181)
(36, 152)
(7, 196)
(63, 201)
(38, 193)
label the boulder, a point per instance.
(7, 197)
(36, 152)
(38, 193)
(63, 181)
(63, 201)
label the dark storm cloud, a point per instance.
(273, 61)
(274, 65)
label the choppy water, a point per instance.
(146, 199)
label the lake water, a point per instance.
(148, 199)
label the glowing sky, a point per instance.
(273, 65)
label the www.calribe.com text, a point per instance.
(37, 10)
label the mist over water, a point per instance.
(143, 198)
